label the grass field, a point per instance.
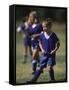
(23, 71)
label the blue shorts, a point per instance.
(51, 61)
(44, 60)
(27, 41)
(34, 44)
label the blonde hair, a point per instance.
(34, 13)
(48, 21)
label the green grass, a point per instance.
(23, 71)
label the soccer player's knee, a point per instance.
(50, 68)
(34, 56)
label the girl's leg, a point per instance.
(43, 64)
(25, 54)
(36, 75)
(34, 60)
(51, 73)
(37, 58)
(30, 50)
(25, 49)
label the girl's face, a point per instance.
(45, 28)
(32, 19)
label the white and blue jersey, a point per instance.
(48, 44)
(33, 30)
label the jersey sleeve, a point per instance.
(56, 39)
(20, 28)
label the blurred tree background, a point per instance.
(57, 14)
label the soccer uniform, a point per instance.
(33, 30)
(48, 45)
(36, 29)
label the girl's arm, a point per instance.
(40, 45)
(36, 35)
(56, 48)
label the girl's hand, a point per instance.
(33, 36)
(56, 48)
(52, 52)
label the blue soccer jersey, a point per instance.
(48, 44)
(35, 29)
